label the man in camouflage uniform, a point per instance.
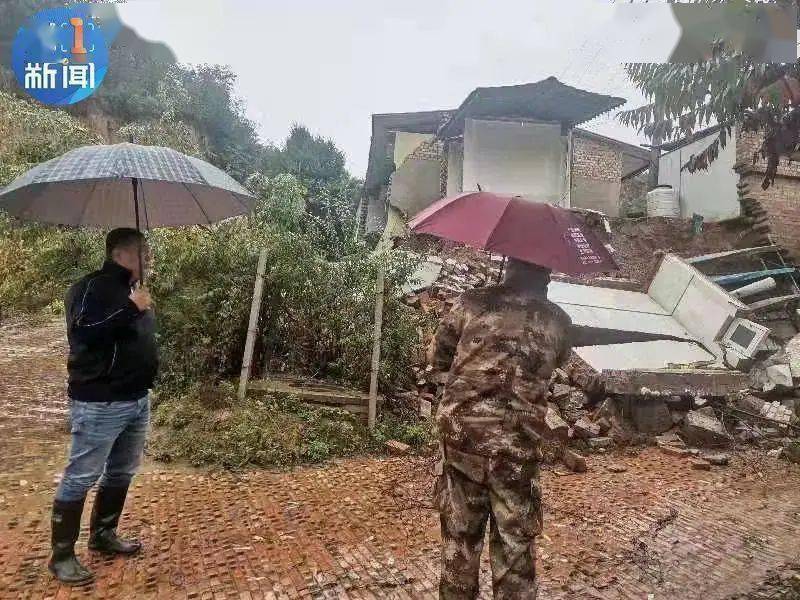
(500, 345)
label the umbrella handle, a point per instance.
(136, 211)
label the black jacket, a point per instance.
(112, 349)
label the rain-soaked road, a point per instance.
(362, 528)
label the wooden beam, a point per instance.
(377, 333)
(252, 328)
(769, 302)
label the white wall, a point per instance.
(406, 143)
(514, 158)
(455, 169)
(710, 193)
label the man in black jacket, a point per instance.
(112, 363)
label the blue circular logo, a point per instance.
(60, 55)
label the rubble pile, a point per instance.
(697, 423)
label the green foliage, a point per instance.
(30, 134)
(316, 314)
(210, 425)
(165, 131)
(730, 89)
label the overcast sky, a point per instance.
(330, 65)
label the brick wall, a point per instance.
(748, 143)
(781, 200)
(782, 203)
(595, 160)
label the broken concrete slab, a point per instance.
(573, 461)
(607, 410)
(571, 406)
(781, 376)
(677, 382)
(650, 415)
(558, 427)
(616, 468)
(674, 451)
(600, 443)
(718, 459)
(560, 391)
(703, 429)
(699, 464)
(792, 350)
(604, 425)
(397, 448)
(776, 411)
(584, 429)
(670, 439)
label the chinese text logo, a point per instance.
(60, 56)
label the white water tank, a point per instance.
(663, 202)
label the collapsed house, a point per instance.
(697, 328)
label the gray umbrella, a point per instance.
(125, 185)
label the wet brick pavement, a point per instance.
(363, 528)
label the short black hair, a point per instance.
(124, 237)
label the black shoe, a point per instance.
(66, 523)
(105, 517)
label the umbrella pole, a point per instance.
(138, 228)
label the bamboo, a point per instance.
(252, 328)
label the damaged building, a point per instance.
(695, 327)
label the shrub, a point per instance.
(209, 425)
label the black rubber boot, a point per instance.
(66, 522)
(105, 518)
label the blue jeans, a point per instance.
(107, 444)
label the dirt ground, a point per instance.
(363, 528)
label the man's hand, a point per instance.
(141, 298)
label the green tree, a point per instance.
(730, 90)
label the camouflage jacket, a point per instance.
(500, 349)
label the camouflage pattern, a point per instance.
(500, 348)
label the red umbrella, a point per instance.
(535, 232)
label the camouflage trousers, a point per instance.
(472, 490)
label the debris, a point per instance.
(674, 450)
(617, 468)
(560, 391)
(781, 376)
(792, 350)
(650, 415)
(670, 439)
(718, 459)
(776, 411)
(600, 443)
(791, 450)
(573, 461)
(711, 383)
(557, 426)
(701, 465)
(425, 408)
(700, 402)
(397, 448)
(608, 410)
(703, 429)
(572, 405)
(604, 424)
(561, 376)
(775, 453)
(749, 403)
(584, 429)
(678, 417)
